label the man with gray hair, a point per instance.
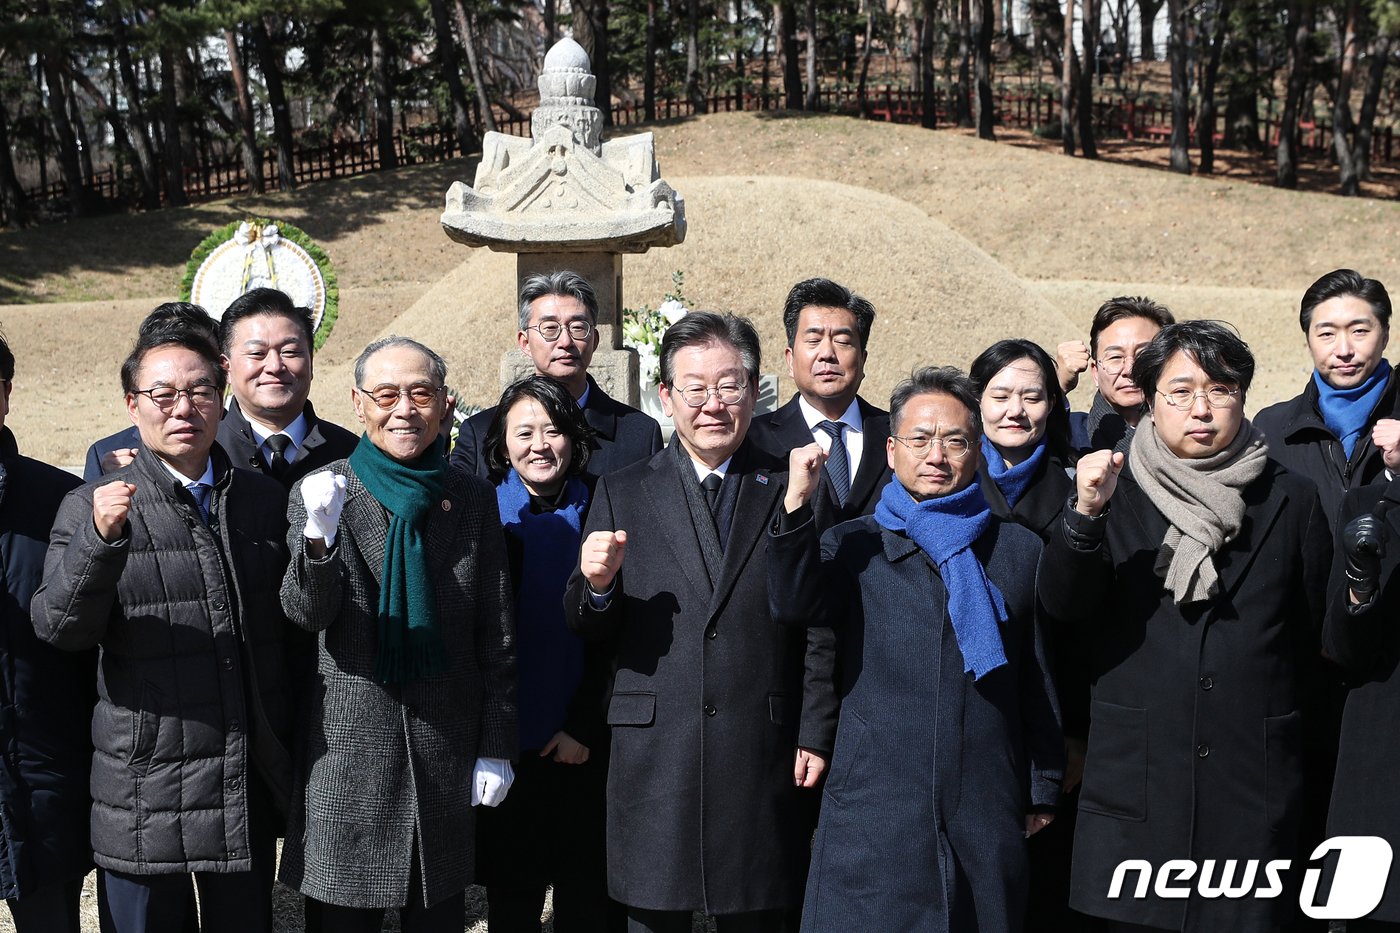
(559, 332)
(720, 718)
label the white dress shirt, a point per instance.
(854, 435)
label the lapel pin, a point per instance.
(762, 478)
(447, 505)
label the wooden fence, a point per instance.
(1114, 116)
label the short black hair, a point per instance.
(1214, 346)
(1345, 282)
(180, 315)
(564, 413)
(257, 301)
(701, 328)
(1005, 352)
(824, 293)
(189, 338)
(1116, 309)
(7, 359)
(937, 380)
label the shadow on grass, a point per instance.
(135, 244)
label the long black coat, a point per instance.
(196, 692)
(711, 698)
(1301, 441)
(46, 697)
(779, 432)
(1202, 716)
(923, 817)
(1366, 643)
(622, 435)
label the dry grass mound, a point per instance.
(939, 298)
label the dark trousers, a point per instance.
(679, 921)
(548, 831)
(229, 902)
(51, 909)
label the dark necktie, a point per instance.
(838, 462)
(711, 486)
(278, 444)
(201, 492)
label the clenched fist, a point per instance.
(1095, 480)
(1071, 359)
(324, 496)
(1386, 436)
(601, 558)
(111, 504)
(114, 460)
(804, 473)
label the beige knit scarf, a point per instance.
(1202, 500)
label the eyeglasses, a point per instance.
(1114, 363)
(728, 393)
(166, 397)
(550, 330)
(954, 448)
(1182, 398)
(387, 397)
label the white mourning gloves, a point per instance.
(491, 779)
(324, 495)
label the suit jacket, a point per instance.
(1203, 735)
(781, 431)
(622, 435)
(711, 698)
(324, 443)
(382, 767)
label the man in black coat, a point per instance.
(46, 698)
(1342, 428)
(720, 718)
(828, 332)
(270, 426)
(559, 332)
(948, 753)
(172, 567)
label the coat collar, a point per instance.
(601, 413)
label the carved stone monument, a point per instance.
(566, 199)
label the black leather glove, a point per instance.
(1363, 543)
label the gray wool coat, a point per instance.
(379, 766)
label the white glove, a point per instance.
(324, 495)
(491, 780)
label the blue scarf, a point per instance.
(1346, 411)
(410, 641)
(1012, 481)
(549, 655)
(945, 530)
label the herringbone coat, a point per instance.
(382, 765)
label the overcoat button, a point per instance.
(710, 709)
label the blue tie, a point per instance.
(838, 462)
(201, 492)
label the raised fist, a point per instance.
(1095, 480)
(804, 473)
(114, 460)
(111, 503)
(1363, 544)
(324, 496)
(601, 558)
(1386, 436)
(1071, 359)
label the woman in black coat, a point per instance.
(46, 699)
(1025, 479)
(550, 830)
(1198, 592)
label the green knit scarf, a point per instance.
(410, 641)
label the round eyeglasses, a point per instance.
(1182, 398)
(551, 330)
(728, 393)
(387, 397)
